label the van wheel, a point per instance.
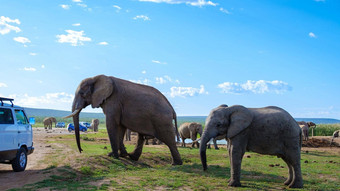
(20, 161)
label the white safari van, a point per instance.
(16, 136)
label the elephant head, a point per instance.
(311, 124)
(224, 120)
(91, 91)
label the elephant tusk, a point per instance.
(197, 140)
(73, 114)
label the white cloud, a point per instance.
(144, 81)
(6, 28)
(142, 17)
(158, 62)
(77, 1)
(187, 91)
(76, 38)
(3, 85)
(33, 54)
(60, 100)
(103, 43)
(43, 66)
(143, 72)
(166, 79)
(117, 7)
(82, 5)
(22, 40)
(76, 24)
(30, 69)
(257, 87)
(312, 35)
(66, 7)
(198, 3)
(320, 0)
(225, 11)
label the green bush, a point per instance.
(324, 129)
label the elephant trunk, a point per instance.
(203, 147)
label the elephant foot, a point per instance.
(134, 157)
(217, 148)
(177, 162)
(234, 183)
(123, 154)
(111, 154)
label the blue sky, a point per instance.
(198, 53)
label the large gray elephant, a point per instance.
(128, 105)
(190, 130)
(270, 130)
(48, 122)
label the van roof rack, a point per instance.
(2, 99)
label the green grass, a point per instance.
(325, 129)
(96, 171)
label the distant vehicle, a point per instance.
(60, 124)
(70, 127)
(86, 124)
(16, 140)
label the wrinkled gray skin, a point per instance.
(270, 130)
(128, 105)
(94, 125)
(190, 130)
(48, 122)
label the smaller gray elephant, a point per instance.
(94, 125)
(190, 130)
(305, 128)
(336, 134)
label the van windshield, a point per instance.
(21, 117)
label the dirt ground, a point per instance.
(35, 168)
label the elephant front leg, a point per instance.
(112, 131)
(236, 155)
(215, 144)
(122, 149)
(138, 149)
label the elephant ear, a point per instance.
(240, 119)
(102, 89)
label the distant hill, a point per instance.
(31, 112)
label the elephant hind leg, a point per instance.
(170, 141)
(138, 149)
(290, 171)
(293, 158)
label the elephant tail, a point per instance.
(300, 139)
(176, 129)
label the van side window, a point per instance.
(6, 116)
(21, 117)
